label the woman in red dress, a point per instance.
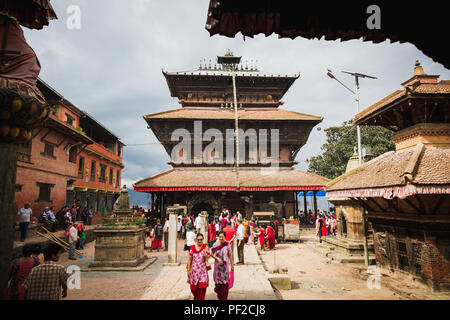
(19, 271)
(270, 237)
(261, 236)
(324, 227)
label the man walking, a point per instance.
(166, 234)
(73, 239)
(25, 217)
(158, 236)
(198, 223)
(47, 281)
(240, 241)
(230, 236)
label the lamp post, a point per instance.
(356, 93)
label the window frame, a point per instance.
(93, 167)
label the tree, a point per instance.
(340, 143)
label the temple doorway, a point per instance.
(199, 207)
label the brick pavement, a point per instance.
(250, 282)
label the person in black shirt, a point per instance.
(157, 241)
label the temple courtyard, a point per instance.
(312, 274)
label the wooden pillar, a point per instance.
(315, 203)
(295, 204)
(8, 210)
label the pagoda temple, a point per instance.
(405, 192)
(216, 102)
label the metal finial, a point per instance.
(417, 63)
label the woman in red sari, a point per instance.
(270, 237)
(19, 271)
(196, 268)
(324, 227)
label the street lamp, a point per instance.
(356, 93)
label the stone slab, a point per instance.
(141, 267)
(171, 264)
(280, 281)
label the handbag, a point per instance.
(231, 280)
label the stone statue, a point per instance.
(122, 203)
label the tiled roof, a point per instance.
(226, 177)
(246, 114)
(421, 165)
(442, 87)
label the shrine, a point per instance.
(405, 192)
(216, 102)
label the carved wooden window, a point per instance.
(92, 170)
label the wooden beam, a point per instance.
(438, 204)
(362, 204)
(389, 119)
(371, 200)
(81, 149)
(45, 135)
(412, 205)
(391, 205)
(421, 204)
(39, 131)
(64, 139)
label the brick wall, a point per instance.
(408, 246)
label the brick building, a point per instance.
(406, 193)
(48, 169)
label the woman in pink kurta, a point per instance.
(196, 268)
(221, 252)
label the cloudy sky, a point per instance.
(111, 68)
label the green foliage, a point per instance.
(111, 221)
(338, 148)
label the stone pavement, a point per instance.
(250, 281)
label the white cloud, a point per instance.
(112, 68)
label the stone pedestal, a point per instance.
(118, 246)
(172, 236)
(204, 225)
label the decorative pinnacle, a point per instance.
(417, 63)
(229, 53)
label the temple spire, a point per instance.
(418, 70)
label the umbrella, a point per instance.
(33, 14)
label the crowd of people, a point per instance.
(63, 219)
(223, 233)
(36, 275)
(326, 225)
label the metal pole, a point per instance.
(357, 127)
(233, 76)
(366, 249)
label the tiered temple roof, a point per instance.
(421, 162)
(223, 179)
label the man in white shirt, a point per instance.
(240, 241)
(25, 217)
(73, 238)
(190, 238)
(166, 234)
(198, 223)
